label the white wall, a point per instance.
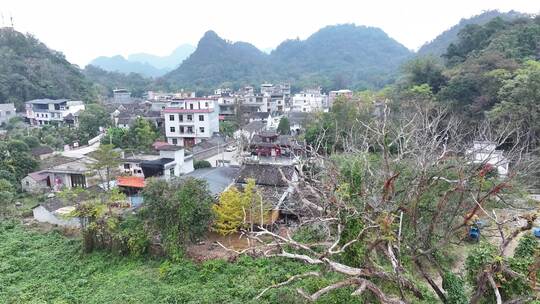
(43, 215)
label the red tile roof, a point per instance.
(130, 181)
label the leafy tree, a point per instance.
(227, 128)
(179, 211)
(240, 209)
(107, 160)
(141, 135)
(520, 96)
(15, 159)
(91, 119)
(425, 70)
(284, 127)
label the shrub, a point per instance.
(199, 164)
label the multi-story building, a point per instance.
(311, 100)
(191, 120)
(7, 111)
(46, 111)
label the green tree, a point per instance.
(284, 127)
(91, 119)
(520, 105)
(227, 128)
(180, 211)
(107, 160)
(141, 135)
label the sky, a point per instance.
(83, 30)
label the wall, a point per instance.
(33, 186)
(43, 215)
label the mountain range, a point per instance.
(336, 56)
(340, 56)
(148, 65)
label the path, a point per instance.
(80, 152)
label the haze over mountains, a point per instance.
(148, 65)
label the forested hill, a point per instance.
(334, 57)
(217, 61)
(438, 46)
(28, 70)
(491, 70)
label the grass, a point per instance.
(49, 268)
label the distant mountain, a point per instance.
(30, 70)
(334, 57)
(342, 56)
(438, 46)
(147, 65)
(169, 62)
(105, 81)
(120, 64)
(216, 61)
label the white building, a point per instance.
(191, 120)
(171, 162)
(46, 111)
(309, 101)
(7, 111)
(485, 152)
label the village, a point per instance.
(193, 153)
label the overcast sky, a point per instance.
(83, 30)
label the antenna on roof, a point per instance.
(11, 19)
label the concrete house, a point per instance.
(46, 111)
(7, 112)
(190, 121)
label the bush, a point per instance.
(199, 164)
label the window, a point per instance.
(206, 104)
(171, 117)
(201, 117)
(181, 129)
(8, 113)
(190, 129)
(171, 171)
(190, 117)
(174, 140)
(127, 166)
(173, 129)
(181, 117)
(191, 106)
(201, 129)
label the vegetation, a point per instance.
(107, 162)
(200, 164)
(284, 127)
(179, 212)
(437, 47)
(240, 209)
(48, 267)
(139, 137)
(335, 57)
(105, 82)
(30, 70)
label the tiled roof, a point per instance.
(265, 174)
(130, 181)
